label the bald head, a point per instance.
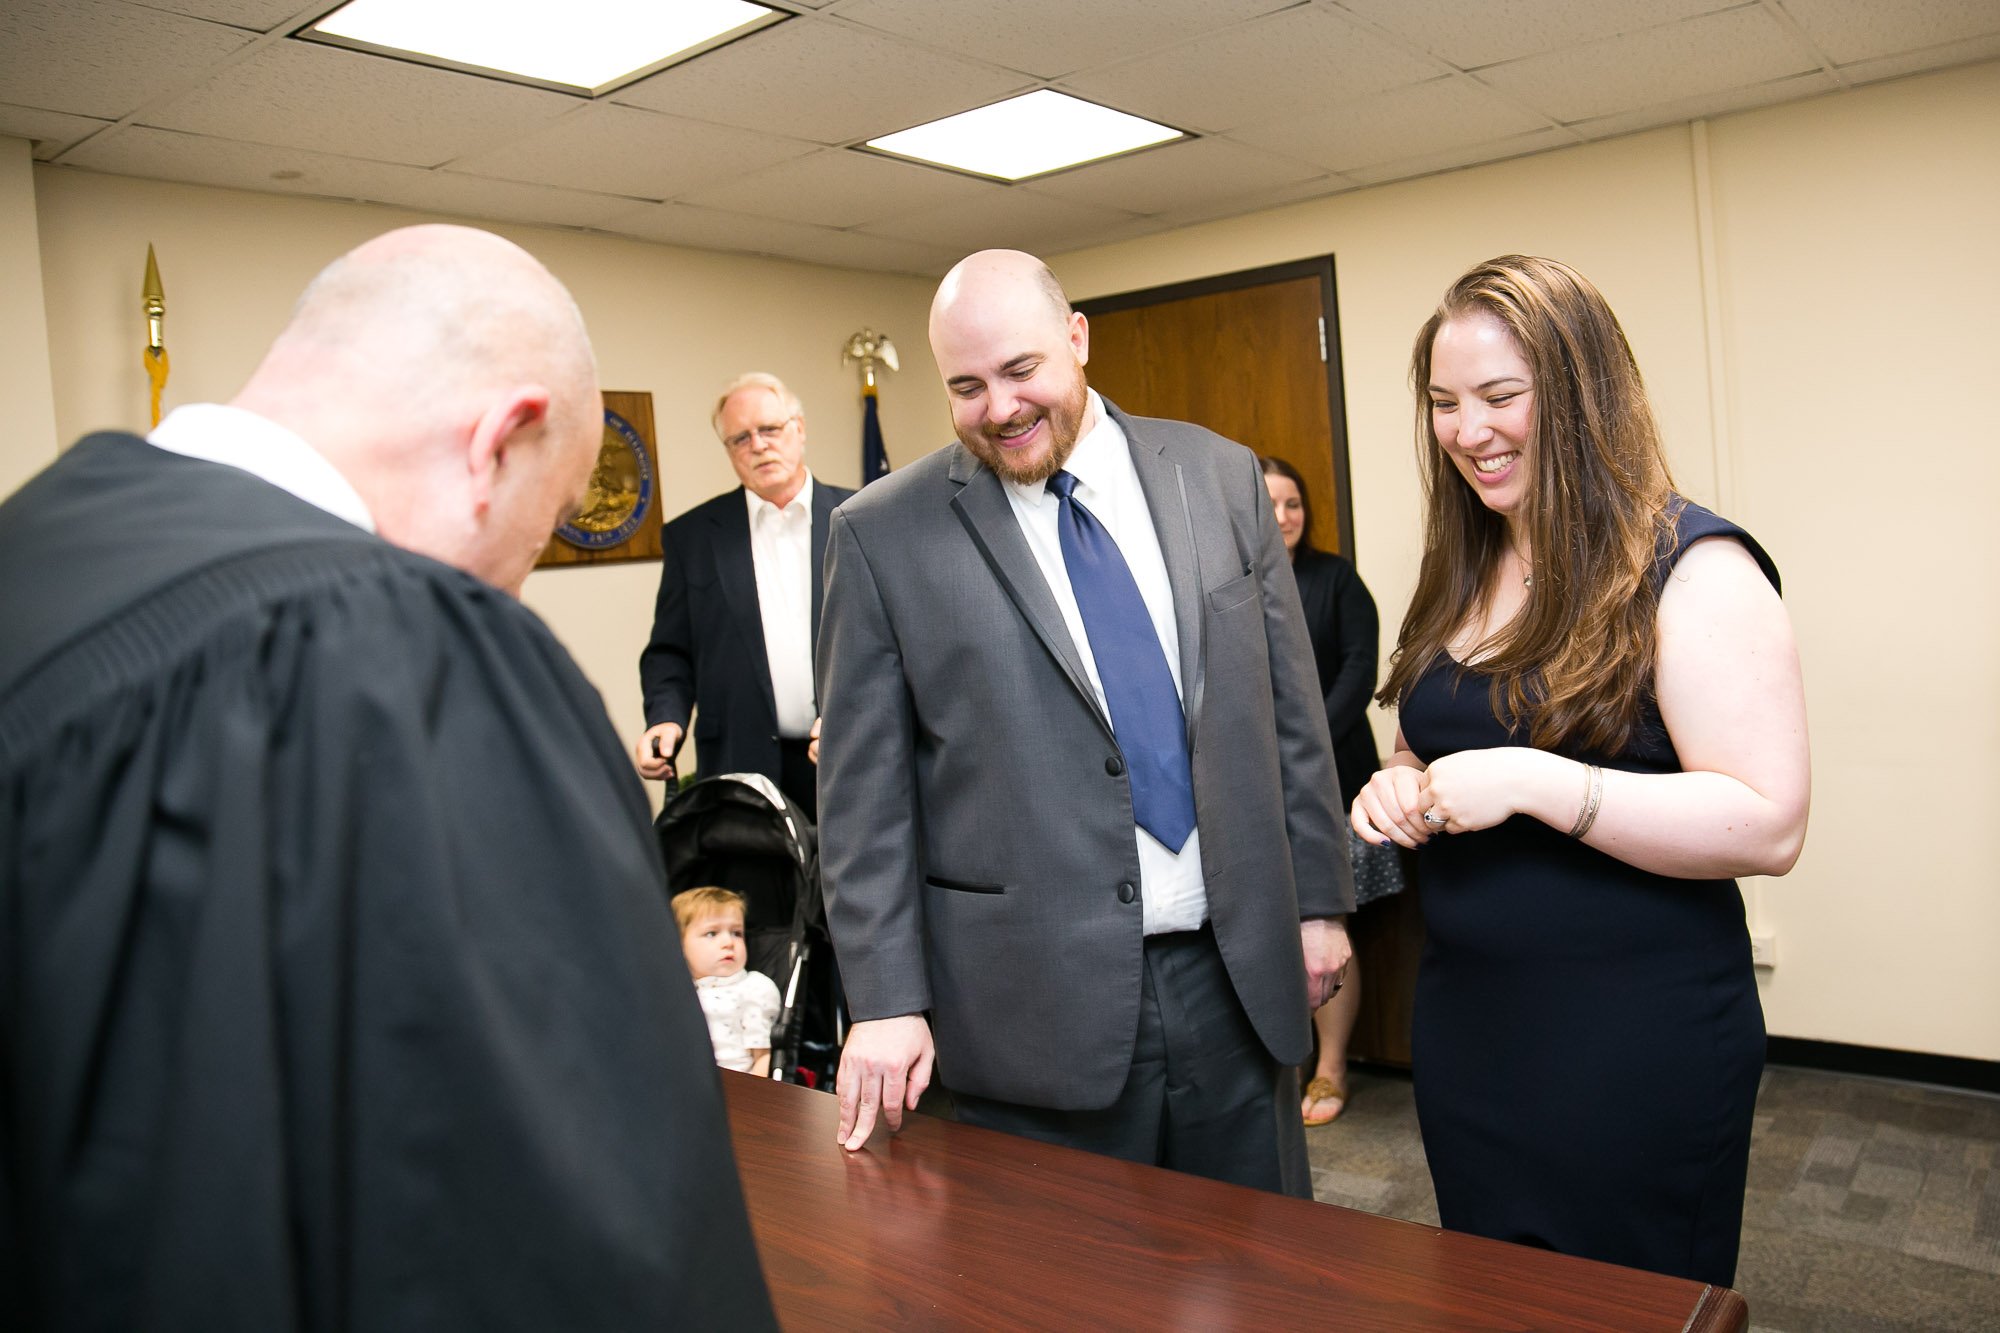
(448, 376)
(452, 308)
(980, 284)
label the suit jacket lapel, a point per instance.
(822, 519)
(982, 506)
(736, 570)
(1173, 521)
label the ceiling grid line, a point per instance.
(1783, 18)
(189, 82)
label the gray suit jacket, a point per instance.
(976, 833)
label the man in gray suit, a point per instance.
(1078, 799)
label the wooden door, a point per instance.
(1243, 355)
(1254, 360)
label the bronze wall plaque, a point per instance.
(620, 518)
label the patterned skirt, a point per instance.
(1378, 870)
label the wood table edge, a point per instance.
(1719, 1310)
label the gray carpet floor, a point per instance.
(1873, 1207)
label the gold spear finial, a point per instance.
(153, 298)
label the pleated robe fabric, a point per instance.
(338, 987)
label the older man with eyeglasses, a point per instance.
(738, 610)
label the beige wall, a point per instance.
(1811, 293)
(1809, 288)
(29, 438)
(676, 323)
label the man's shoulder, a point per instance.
(910, 486)
(1184, 440)
(716, 506)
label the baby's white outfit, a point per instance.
(740, 1011)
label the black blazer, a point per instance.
(1345, 630)
(707, 649)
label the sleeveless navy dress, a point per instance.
(1588, 1039)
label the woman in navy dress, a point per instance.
(1602, 724)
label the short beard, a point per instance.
(1065, 420)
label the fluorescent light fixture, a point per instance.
(1024, 136)
(574, 45)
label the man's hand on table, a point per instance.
(884, 1067)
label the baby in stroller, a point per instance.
(740, 1004)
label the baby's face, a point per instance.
(714, 945)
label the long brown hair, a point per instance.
(1576, 665)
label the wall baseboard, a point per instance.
(1838, 1057)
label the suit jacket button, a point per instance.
(1126, 892)
(1114, 766)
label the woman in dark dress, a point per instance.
(1602, 725)
(1346, 637)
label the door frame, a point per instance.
(1336, 384)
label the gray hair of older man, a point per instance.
(756, 379)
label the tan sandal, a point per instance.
(1324, 1090)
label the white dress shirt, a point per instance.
(1172, 892)
(781, 550)
(217, 433)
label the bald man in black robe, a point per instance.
(338, 987)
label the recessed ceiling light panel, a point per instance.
(586, 46)
(1025, 136)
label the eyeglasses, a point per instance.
(769, 434)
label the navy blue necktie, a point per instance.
(1131, 665)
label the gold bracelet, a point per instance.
(1588, 815)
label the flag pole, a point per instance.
(871, 349)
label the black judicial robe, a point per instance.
(338, 987)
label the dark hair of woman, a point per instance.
(1576, 665)
(1278, 467)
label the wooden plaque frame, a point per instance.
(644, 544)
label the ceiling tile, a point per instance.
(882, 254)
(1675, 60)
(309, 95)
(1257, 201)
(1853, 30)
(839, 187)
(1017, 218)
(260, 15)
(821, 80)
(49, 131)
(169, 155)
(438, 191)
(1682, 110)
(100, 57)
(1470, 35)
(712, 229)
(1047, 38)
(1464, 155)
(134, 150)
(1177, 177)
(622, 150)
(1232, 77)
(1388, 127)
(1918, 62)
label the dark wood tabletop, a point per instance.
(949, 1226)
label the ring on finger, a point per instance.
(1432, 818)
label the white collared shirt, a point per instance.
(1173, 894)
(781, 550)
(217, 433)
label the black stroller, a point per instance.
(737, 831)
